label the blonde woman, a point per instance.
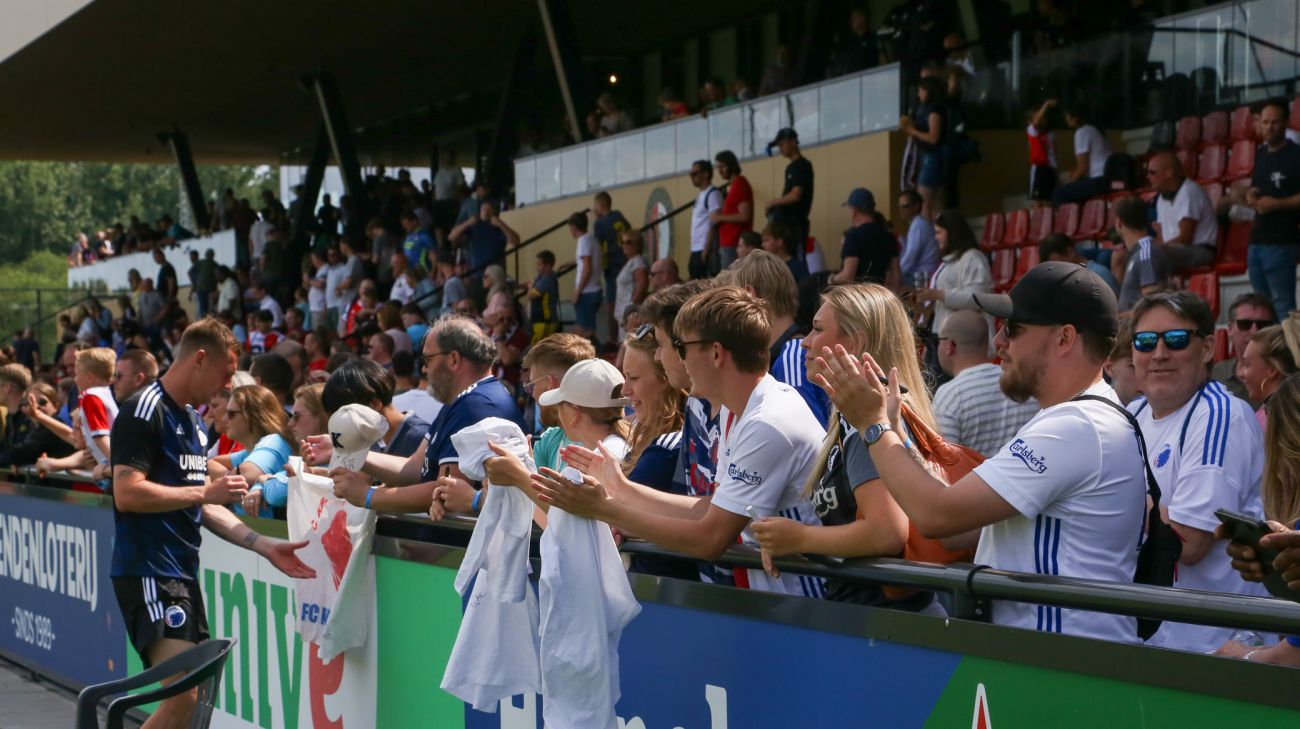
(255, 420)
(859, 517)
(1269, 358)
(499, 301)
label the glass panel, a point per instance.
(575, 170)
(548, 177)
(1269, 21)
(692, 142)
(727, 131)
(841, 109)
(601, 170)
(631, 157)
(660, 150)
(806, 116)
(768, 119)
(526, 182)
(880, 100)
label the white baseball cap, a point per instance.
(353, 429)
(591, 383)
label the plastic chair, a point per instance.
(1003, 268)
(1206, 286)
(1242, 124)
(1092, 220)
(1188, 132)
(1214, 191)
(1040, 224)
(1231, 260)
(1163, 135)
(1295, 114)
(1017, 229)
(1214, 128)
(1220, 344)
(1028, 258)
(202, 666)
(1188, 159)
(1211, 163)
(1241, 160)
(1067, 220)
(995, 228)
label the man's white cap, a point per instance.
(591, 384)
(353, 429)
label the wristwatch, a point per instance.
(875, 433)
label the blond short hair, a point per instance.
(16, 375)
(562, 351)
(770, 279)
(97, 362)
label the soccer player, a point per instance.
(161, 495)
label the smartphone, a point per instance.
(1248, 530)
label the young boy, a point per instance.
(1145, 269)
(263, 337)
(544, 296)
(93, 374)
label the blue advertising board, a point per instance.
(57, 608)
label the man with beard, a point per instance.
(1067, 495)
(458, 359)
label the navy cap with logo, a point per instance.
(862, 199)
(784, 134)
(1057, 292)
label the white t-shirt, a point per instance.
(587, 246)
(315, 296)
(1216, 463)
(418, 400)
(1080, 512)
(1089, 139)
(401, 290)
(447, 182)
(1190, 202)
(334, 276)
(709, 200)
(270, 304)
(257, 236)
(764, 456)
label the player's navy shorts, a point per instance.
(160, 607)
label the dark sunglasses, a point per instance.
(1012, 329)
(680, 346)
(1175, 339)
(1245, 325)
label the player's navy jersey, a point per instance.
(486, 398)
(165, 440)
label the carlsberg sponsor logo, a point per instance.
(60, 558)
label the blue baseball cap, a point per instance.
(862, 199)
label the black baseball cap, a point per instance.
(1057, 292)
(784, 134)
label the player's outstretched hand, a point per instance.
(229, 489)
(281, 554)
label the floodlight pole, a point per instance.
(339, 133)
(562, 41)
(180, 146)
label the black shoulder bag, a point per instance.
(1158, 555)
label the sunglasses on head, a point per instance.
(645, 331)
(1175, 339)
(1245, 325)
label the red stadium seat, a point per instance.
(1188, 160)
(1231, 260)
(1220, 344)
(995, 228)
(1214, 191)
(1210, 164)
(1206, 286)
(1067, 220)
(1004, 268)
(1214, 128)
(1028, 258)
(1188, 134)
(1111, 220)
(1241, 161)
(1017, 228)
(1295, 113)
(1092, 220)
(1040, 224)
(1242, 125)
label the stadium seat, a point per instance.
(1188, 159)
(1004, 268)
(1214, 191)
(1040, 224)
(1211, 162)
(1214, 128)
(1220, 344)
(1231, 259)
(1163, 135)
(1241, 161)
(1028, 258)
(1066, 220)
(995, 228)
(1111, 220)
(1295, 113)
(1017, 228)
(1206, 286)
(1242, 125)
(1092, 220)
(1188, 132)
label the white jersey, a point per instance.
(1080, 511)
(764, 456)
(1206, 455)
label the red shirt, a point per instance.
(739, 192)
(317, 365)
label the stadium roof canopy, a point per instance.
(96, 80)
